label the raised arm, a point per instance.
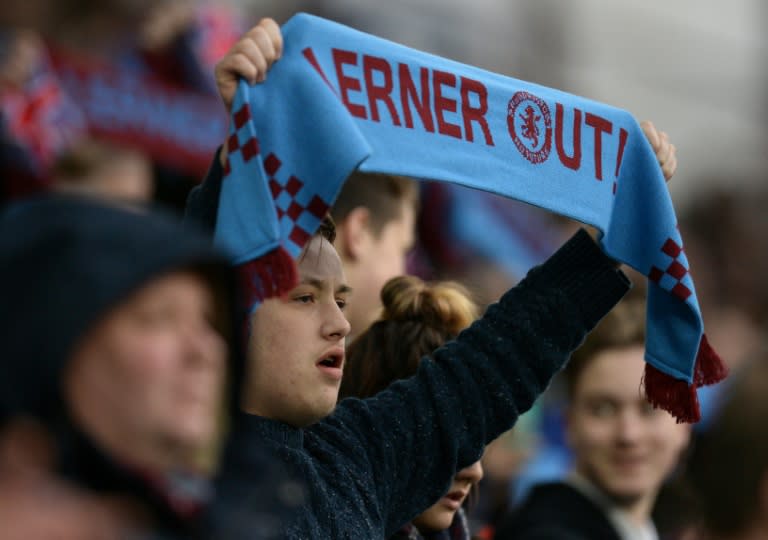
(417, 433)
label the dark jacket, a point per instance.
(374, 464)
(557, 511)
(203, 200)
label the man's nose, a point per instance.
(472, 474)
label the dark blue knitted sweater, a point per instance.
(376, 463)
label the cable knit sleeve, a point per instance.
(406, 442)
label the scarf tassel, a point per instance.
(673, 395)
(710, 368)
(272, 274)
(677, 396)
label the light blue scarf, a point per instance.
(340, 99)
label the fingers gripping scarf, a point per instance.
(340, 99)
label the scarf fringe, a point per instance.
(273, 274)
(673, 395)
(676, 395)
(710, 368)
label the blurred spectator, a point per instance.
(729, 465)
(128, 379)
(38, 120)
(118, 342)
(623, 448)
(135, 74)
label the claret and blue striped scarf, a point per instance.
(340, 100)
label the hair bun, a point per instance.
(445, 306)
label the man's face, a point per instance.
(382, 257)
(150, 375)
(296, 348)
(622, 444)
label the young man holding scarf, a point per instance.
(371, 465)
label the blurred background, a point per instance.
(116, 98)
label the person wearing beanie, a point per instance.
(116, 327)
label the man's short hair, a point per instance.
(382, 194)
(624, 326)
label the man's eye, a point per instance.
(305, 298)
(603, 409)
(342, 304)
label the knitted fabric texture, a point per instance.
(340, 99)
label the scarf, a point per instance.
(340, 99)
(127, 104)
(38, 123)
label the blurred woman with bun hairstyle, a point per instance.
(416, 319)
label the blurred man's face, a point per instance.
(147, 382)
(296, 349)
(381, 258)
(622, 445)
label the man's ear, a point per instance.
(354, 233)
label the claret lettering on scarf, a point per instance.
(430, 98)
(376, 89)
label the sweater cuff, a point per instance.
(586, 274)
(203, 201)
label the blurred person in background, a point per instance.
(132, 74)
(128, 374)
(118, 357)
(416, 319)
(729, 464)
(38, 120)
(623, 448)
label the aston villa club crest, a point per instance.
(530, 126)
